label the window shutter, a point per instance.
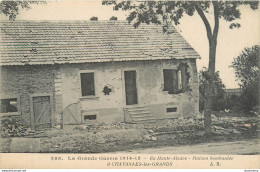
(179, 79)
(184, 77)
(175, 80)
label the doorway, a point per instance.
(130, 87)
(41, 111)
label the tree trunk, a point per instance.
(207, 111)
(210, 86)
(212, 38)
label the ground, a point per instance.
(183, 136)
(245, 147)
(5, 144)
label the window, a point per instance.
(170, 80)
(8, 105)
(172, 109)
(87, 84)
(90, 117)
(176, 81)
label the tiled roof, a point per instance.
(58, 42)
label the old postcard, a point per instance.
(129, 84)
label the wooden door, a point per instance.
(42, 111)
(130, 87)
(71, 114)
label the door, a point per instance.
(130, 87)
(71, 114)
(42, 112)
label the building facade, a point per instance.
(71, 72)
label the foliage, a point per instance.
(113, 18)
(218, 90)
(94, 18)
(12, 8)
(159, 12)
(246, 67)
(234, 103)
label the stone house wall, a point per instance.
(22, 82)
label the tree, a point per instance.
(166, 12)
(113, 18)
(246, 67)
(218, 90)
(94, 18)
(12, 8)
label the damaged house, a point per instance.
(108, 71)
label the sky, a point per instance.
(230, 41)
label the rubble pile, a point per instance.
(235, 125)
(193, 122)
(220, 125)
(13, 126)
(92, 126)
(149, 137)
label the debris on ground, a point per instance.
(147, 137)
(94, 136)
(74, 140)
(95, 125)
(153, 138)
(235, 125)
(13, 126)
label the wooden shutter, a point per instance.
(175, 80)
(184, 76)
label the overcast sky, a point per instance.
(230, 41)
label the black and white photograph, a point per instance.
(130, 77)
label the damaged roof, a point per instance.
(59, 42)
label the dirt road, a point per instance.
(245, 147)
(25, 145)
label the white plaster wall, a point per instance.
(149, 84)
